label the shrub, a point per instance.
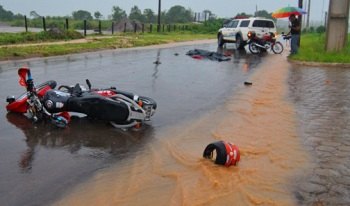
(320, 29)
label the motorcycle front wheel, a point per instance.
(277, 48)
(253, 48)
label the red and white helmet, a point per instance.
(226, 153)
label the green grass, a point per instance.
(31, 37)
(312, 49)
(117, 41)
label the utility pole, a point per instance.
(337, 25)
(300, 18)
(308, 14)
(300, 5)
(159, 13)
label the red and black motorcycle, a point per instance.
(121, 109)
(268, 41)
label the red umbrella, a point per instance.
(287, 11)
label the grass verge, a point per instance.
(9, 52)
(312, 49)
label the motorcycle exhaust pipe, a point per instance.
(260, 46)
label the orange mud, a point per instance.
(171, 170)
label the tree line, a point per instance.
(176, 14)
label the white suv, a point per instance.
(237, 29)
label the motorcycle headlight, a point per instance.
(249, 34)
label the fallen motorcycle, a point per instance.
(121, 109)
(258, 45)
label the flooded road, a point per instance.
(171, 171)
(41, 164)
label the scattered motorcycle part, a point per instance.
(226, 153)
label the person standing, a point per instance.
(295, 29)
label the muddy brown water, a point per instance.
(171, 171)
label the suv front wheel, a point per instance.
(221, 41)
(239, 42)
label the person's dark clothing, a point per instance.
(294, 25)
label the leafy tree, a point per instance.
(311, 29)
(207, 14)
(135, 14)
(82, 15)
(5, 15)
(179, 14)
(97, 15)
(242, 15)
(18, 16)
(34, 14)
(162, 17)
(118, 13)
(149, 15)
(264, 13)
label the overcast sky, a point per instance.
(222, 8)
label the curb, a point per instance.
(319, 64)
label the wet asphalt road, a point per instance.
(39, 163)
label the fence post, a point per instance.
(124, 27)
(112, 27)
(85, 27)
(44, 23)
(135, 27)
(67, 25)
(99, 27)
(26, 23)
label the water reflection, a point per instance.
(240, 56)
(100, 139)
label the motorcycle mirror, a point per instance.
(88, 83)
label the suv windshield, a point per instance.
(263, 23)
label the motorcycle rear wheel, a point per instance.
(253, 48)
(277, 48)
(148, 101)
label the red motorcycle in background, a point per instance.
(121, 109)
(268, 41)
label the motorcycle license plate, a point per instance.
(148, 110)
